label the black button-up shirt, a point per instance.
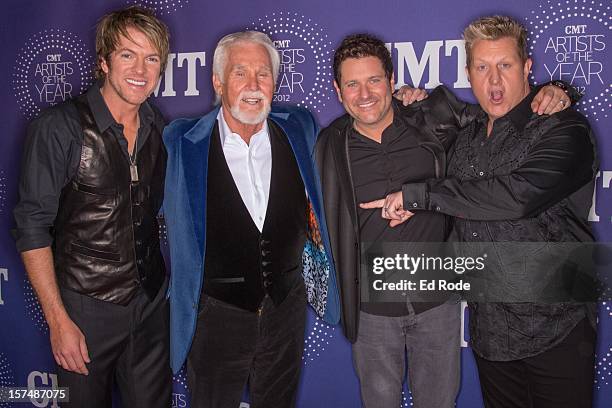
(530, 180)
(51, 158)
(382, 168)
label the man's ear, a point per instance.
(338, 91)
(467, 73)
(217, 84)
(104, 65)
(527, 69)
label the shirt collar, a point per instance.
(225, 131)
(102, 115)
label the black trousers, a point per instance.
(232, 346)
(128, 345)
(561, 377)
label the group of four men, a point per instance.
(257, 227)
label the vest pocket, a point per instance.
(95, 253)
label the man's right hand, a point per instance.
(69, 347)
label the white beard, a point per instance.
(249, 118)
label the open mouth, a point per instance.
(496, 96)
(136, 82)
(251, 101)
(366, 104)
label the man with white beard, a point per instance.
(243, 210)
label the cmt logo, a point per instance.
(603, 177)
(3, 277)
(407, 57)
(43, 380)
(189, 60)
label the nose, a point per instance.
(139, 65)
(364, 92)
(494, 76)
(252, 84)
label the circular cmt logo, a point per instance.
(305, 76)
(603, 359)
(2, 191)
(53, 65)
(33, 309)
(317, 339)
(6, 377)
(160, 6)
(570, 40)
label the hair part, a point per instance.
(243, 37)
(361, 46)
(115, 25)
(494, 28)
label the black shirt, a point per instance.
(51, 158)
(382, 168)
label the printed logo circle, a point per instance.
(305, 76)
(52, 66)
(570, 38)
(160, 6)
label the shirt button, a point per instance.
(481, 173)
(437, 208)
(474, 234)
(415, 205)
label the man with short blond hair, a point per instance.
(517, 178)
(89, 194)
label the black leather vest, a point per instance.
(106, 233)
(243, 264)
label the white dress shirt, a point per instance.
(251, 167)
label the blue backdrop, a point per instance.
(48, 45)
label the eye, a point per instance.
(351, 84)
(374, 80)
(153, 59)
(125, 55)
(481, 67)
(504, 65)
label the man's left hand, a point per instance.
(392, 208)
(550, 99)
(409, 95)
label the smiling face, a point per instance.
(366, 93)
(247, 85)
(498, 76)
(132, 71)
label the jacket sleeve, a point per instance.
(559, 163)
(442, 112)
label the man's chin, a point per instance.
(250, 118)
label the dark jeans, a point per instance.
(561, 377)
(232, 346)
(128, 345)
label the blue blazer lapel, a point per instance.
(194, 159)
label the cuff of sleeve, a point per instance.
(416, 196)
(31, 238)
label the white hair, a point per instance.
(254, 37)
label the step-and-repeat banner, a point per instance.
(48, 55)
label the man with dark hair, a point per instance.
(373, 150)
(90, 190)
(525, 184)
